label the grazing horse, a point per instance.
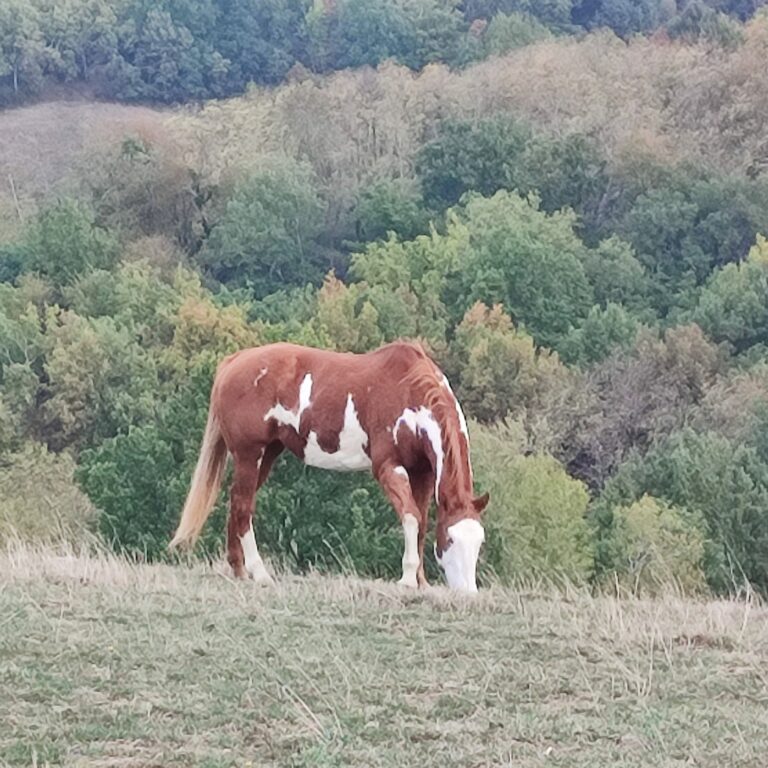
(390, 411)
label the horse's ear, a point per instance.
(480, 503)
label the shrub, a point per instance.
(535, 524)
(723, 482)
(39, 501)
(656, 545)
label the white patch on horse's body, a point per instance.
(288, 418)
(401, 471)
(423, 420)
(459, 560)
(351, 455)
(459, 412)
(262, 374)
(411, 551)
(254, 565)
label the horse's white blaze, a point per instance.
(401, 471)
(253, 562)
(423, 420)
(353, 439)
(459, 560)
(411, 551)
(262, 374)
(289, 418)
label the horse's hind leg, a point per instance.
(242, 552)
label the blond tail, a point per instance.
(205, 485)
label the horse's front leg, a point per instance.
(395, 483)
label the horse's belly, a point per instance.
(350, 456)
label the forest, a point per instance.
(564, 201)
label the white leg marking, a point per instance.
(401, 471)
(292, 418)
(351, 454)
(254, 565)
(422, 420)
(411, 552)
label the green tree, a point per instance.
(535, 523)
(617, 276)
(65, 241)
(602, 332)
(528, 262)
(733, 305)
(656, 547)
(99, 380)
(726, 483)
(391, 205)
(22, 49)
(266, 235)
(481, 156)
(506, 32)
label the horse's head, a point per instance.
(458, 547)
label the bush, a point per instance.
(535, 524)
(656, 545)
(39, 501)
(723, 482)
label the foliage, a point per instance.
(733, 305)
(506, 32)
(39, 502)
(265, 236)
(535, 522)
(654, 546)
(65, 241)
(501, 373)
(726, 483)
(528, 262)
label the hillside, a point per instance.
(108, 664)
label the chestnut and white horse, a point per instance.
(390, 411)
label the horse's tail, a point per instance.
(205, 485)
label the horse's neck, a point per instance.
(453, 486)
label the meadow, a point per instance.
(108, 663)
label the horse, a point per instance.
(390, 411)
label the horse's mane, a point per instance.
(426, 378)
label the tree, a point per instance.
(535, 524)
(726, 483)
(65, 241)
(391, 205)
(506, 32)
(499, 371)
(617, 276)
(480, 156)
(266, 236)
(22, 49)
(639, 398)
(685, 229)
(733, 305)
(602, 332)
(528, 262)
(657, 547)
(624, 17)
(81, 36)
(99, 381)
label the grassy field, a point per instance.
(107, 664)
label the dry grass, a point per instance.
(107, 663)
